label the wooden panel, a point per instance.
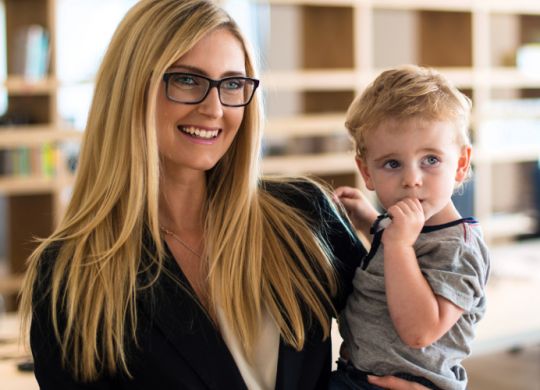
(327, 37)
(337, 180)
(530, 28)
(30, 216)
(333, 101)
(30, 109)
(530, 33)
(445, 39)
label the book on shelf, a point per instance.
(31, 55)
(26, 162)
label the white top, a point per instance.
(260, 374)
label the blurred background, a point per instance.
(314, 57)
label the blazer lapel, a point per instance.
(172, 308)
(289, 367)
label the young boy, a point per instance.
(420, 290)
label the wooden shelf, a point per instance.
(27, 185)
(511, 7)
(507, 225)
(322, 3)
(517, 154)
(307, 125)
(508, 78)
(349, 79)
(18, 85)
(499, 6)
(317, 80)
(15, 136)
(311, 164)
(427, 5)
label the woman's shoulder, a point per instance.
(48, 255)
(299, 192)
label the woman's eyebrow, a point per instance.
(194, 69)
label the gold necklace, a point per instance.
(179, 240)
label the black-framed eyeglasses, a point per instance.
(189, 88)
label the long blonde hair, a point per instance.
(255, 261)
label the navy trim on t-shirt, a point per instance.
(377, 236)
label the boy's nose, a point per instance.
(412, 178)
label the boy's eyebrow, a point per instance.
(394, 155)
(384, 157)
(433, 150)
(196, 70)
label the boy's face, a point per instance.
(419, 159)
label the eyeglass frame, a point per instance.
(211, 84)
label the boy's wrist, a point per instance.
(397, 247)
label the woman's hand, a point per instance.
(394, 383)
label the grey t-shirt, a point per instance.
(455, 261)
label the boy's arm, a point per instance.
(419, 316)
(360, 211)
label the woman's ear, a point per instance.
(364, 171)
(464, 163)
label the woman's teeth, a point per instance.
(200, 133)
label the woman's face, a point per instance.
(194, 137)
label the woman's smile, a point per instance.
(200, 134)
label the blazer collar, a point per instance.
(172, 307)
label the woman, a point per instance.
(175, 266)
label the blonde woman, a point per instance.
(175, 265)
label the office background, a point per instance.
(315, 56)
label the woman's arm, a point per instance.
(46, 351)
(394, 383)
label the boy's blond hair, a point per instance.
(407, 92)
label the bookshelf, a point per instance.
(317, 56)
(33, 173)
(342, 45)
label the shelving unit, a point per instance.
(314, 62)
(32, 197)
(342, 46)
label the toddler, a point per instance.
(421, 289)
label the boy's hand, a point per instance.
(358, 207)
(407, 222)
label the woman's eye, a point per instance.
(233, 84)
(391, 164)
(184, 80)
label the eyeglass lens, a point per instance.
(190, 88)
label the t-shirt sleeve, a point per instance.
(457, 272)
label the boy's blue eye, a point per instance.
(391, 164)
(431, 160)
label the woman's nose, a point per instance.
(211, 106)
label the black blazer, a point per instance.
(179, 348)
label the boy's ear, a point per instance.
(363, 168)
(464, 163)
